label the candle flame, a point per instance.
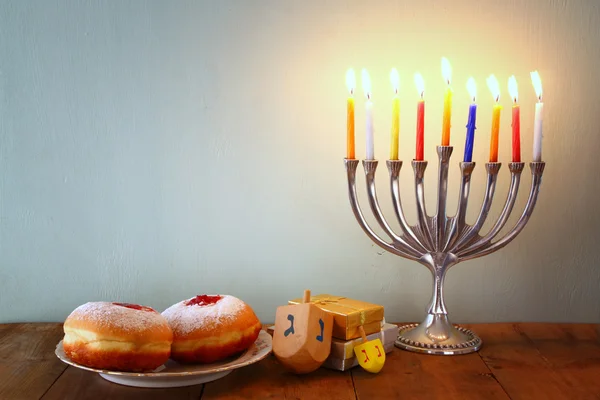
(420, 84)
(537, 84)
(446, 70)
(366, 83)
(512, 88)
(350, 81)
(494, 87)
(472, 88)
(395, 79)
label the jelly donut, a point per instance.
(117, 337)
(209, 328)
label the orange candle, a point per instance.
(447, 74)
(516, 120)
(495, 89)
(351, 83)
(420, 117)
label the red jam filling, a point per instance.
(135, 306)
(203, 300)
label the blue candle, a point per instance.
(471, 122)
(470, 133)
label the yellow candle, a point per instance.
(351, 83)
(447, 74)
(495, 89)
(395, 115)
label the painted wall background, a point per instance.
(151, 151)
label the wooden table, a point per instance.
(517, 361)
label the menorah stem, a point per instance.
(444, 153)
(438, 264)
(436, 334)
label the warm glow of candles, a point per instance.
(351, 84)
(420, 84)
(472, 88)
(447, 75)
(495, 89)
(366, 84)
(395, 80)
(470, 139)
(537, 126)
(516, 119)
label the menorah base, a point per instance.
(437, 336)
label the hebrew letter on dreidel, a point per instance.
(291, 328)
(320, 337)
(369, 353)
(296, 328)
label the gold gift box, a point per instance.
(348, 314)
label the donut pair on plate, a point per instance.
(130, 337)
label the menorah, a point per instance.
(439, 241)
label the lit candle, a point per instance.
(366, 84)
(447, 74)
(495, 89)
(537, 126)
(516, 119)
(472, 88)
(420, 116)
(351, 83)
(395, 79)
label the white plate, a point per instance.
(173, 374)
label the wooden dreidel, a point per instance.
(302, 336)
(370, 354)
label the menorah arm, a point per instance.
(537, 170)
(515, 171)
(424, 225)
(351, 165)
(370, 167)
(458, 221)
(394, 167)
(490, 187)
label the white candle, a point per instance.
(539, 114)
(366, 84)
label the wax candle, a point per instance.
(351, 83)
(516, 119)
(395, 79)
(447, 74)
(420, 117)
(366, 84)
(470, 140)
(537, 126)
(495, 89)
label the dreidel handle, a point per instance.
(306, 298)
(363, 335)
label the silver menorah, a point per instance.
(440, 242)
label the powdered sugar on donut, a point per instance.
(184, 319)
(105, 314)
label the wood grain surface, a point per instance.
(517, 361)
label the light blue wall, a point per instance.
(154, 150)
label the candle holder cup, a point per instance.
(440, 242)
